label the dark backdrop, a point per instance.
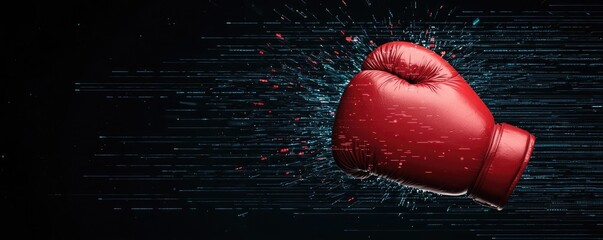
(211, 120)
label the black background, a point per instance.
(50, 46)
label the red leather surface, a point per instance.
(410, 117)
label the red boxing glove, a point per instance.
(410, 117)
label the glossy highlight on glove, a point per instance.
(410, 117)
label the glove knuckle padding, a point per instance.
(410, 62)
(410, 117)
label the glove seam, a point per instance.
(492, 148)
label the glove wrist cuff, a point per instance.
(506, 159)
